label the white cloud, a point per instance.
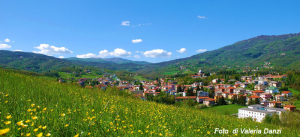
(182, 50)
(157, 53)
(137, 56)
(7, 40)
(125, 23)
(4, 46)
(61, 57)
(18, 50)
(120, 52)
(49, 50)
(137, 51)
(89, 55)
(136, 40)
(201, 17)
(201, 50)
(103, 53)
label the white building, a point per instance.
(258, 112)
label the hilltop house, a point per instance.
(289, 107)
(265, 96)
(274, 84)
(260, 87)
(239, 91)
(209, 101)
(279, 97)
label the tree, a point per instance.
(256, 101)
(141, 86)
(179, 89)
(189, 92)
(198, 88)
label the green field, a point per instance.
(170, 72)
(70, 75)
(224, 109)
(33, 105)
(140, 78)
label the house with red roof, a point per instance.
(209, 101)
(286, 93)
(257, 92)
(273, 103)
(279, 97)
(289, 107)
(265, 96)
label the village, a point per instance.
(264, 99)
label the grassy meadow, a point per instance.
(37, 106)
(225, 109)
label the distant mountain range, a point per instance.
(108, 60)
(276, 51)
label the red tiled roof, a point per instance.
(230, 88)
(285, 92)
(209, 99)
(202, 97)
(290, 106)
(253, 96)
(257, 91)
(186, 97)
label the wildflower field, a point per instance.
(37, 106)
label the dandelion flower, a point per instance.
(28, 134)
(48, 135)
(8, 117)
(77, 135)
(24, 126)
(36, 129)
(208, 132)
(27, 121)
(20, 123)
(44, 127)
(40, 134)
(66, 125)
(4, 131)
(7, 122)
(34, 118)
(63, 114)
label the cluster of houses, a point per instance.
(266, 91)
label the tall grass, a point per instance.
(35, 105)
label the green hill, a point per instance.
(34, 105)
(279, 52)
(108, 60)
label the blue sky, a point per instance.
(152, 31)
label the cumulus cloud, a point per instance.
(103, 53)
(137, 51)
(182, 50)
(7, 40)
(61, 57)
(120, 53)
(125, 23)
(157, 53)
(89, 55)
(137, 56)
(137, 40)
(50, 50)
(201, 50)
(18, 50)
(201, 17)
(4, 46)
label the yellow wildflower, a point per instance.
(63, 114)
(28, 134)
(36, 129)
(48, 135)
(4, 131)
(24, 126)
(66, 125)
(8, 117)
(7, 122)
(44, 127)
(40, 134)
(208, 132)
(45, 109)
(77, 135)
(32, 105)
(27, 121)
(34, 118)
(20, 123)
